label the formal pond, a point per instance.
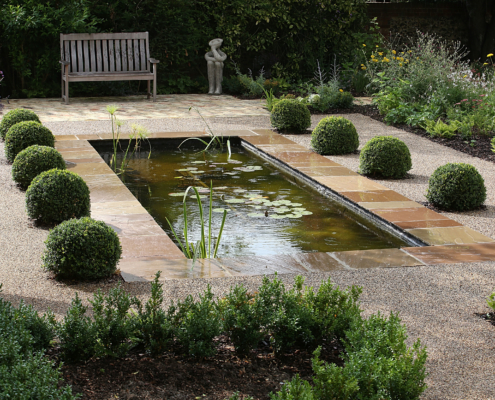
(269, 212)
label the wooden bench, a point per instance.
(96, 57)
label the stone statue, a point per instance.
(215, 59)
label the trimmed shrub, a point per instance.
(334, 135)
(456, 187)
(15, 116)
(25, 134)
(82, 249)
(34, 160)
(385, 156)
(343, 100)
(57, 195)
(290, 115)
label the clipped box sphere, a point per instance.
(15, 116)
(24, 134)
(385, 156)
(456, 187)
(82, 249)
(291, 116)
(34, 160)
(334, 135)
(57, 195)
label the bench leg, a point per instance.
(149, 92)
(66, 91)
(154, 82)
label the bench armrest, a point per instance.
(64, 62)
(153, 61)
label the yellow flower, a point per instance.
(465, 76)
(376, 46)
(394, 52)
(375, 60)
(363, 68)
(490, 55)
(400, 64)
(372, 56)
(340, 90)
(364, 45)
(380, 53)
(410, 51)
(393, 58)
(485, 64)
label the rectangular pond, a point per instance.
(268, 211)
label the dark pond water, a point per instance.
(268, 213)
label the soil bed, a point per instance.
(172, 376)
(482, 147)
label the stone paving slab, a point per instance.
(138, 107)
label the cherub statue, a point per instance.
(215, 59)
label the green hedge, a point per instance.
(25, 373)
(57, 195)
(385, 156)
(34, 160)
(286, 37)
(82, 249)
(456, 187)
(15, 116)
(334, 135)
(24, 134)
(290, 116)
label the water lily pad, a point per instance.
(198, 162)
(220, 188)
(230, 173)
(306, 213)
(220, 210)
(178, 177)
(286, 202)
(293, 215)
(276, 216)
(299, 209)
(201, 196)
(257, 201)
(197, 172)
(239, 190)
(182, 170)
(235, 201)
(256, 215)
(234, 162)
(267, 203)
(257, 207)
(177, 194)
(191, 168)
(295, 204)
(254, 167)
(281, 210)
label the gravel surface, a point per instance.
(436, 303)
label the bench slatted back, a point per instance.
(105, 52)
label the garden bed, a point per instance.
(481, 148)
(172, 376)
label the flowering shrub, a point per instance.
(429, 80)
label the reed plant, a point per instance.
(203, 247)
(136, 137)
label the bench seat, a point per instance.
(99, 57)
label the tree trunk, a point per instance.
(481, 28)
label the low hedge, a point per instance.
(456, 187)
(385, 156)
(82, 249)
(290, 116)
(334, 135)
(57, 195)
(24, 134)
(15, 116)
(34, 160)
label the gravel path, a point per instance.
(436, 303)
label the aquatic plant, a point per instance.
(136, 137)
(214, 139)
(203, 247)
